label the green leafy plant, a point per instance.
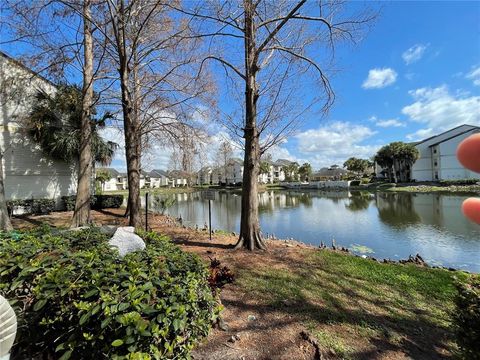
(32, 206)
(107, 201)
(75, 298)
(162, 204)
(219, 276)
(466, 318)
(96, 201)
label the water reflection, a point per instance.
(394, 225)
(359, 200)
(396, 209)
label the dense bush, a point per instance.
(466, 318)
(69, 201)
(96, 201)
(32, 206)
(75, 298)
(355, 183)
(107, 201)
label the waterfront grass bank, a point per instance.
(347, 306)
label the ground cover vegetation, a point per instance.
(96, 201)
(352, 307)
(75, 298)
(355, 307)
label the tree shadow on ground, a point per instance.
(189, 243)
(351, 309)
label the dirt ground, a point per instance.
(255, 330)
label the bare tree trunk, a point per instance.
(250, 237)
(5, 223)
(394, 172)
(81, 215)
(130, 126)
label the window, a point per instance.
(436, 175)
(436, 163)
(434, 151)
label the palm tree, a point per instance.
(397, 158)
(305, 171)
(54, 124)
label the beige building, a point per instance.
(27, 172)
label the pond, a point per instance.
(383, 225)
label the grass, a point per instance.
(423, 188)
(349, 303)
(155, 191)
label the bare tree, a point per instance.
(273, 51)
(223, 156)
(81, 214)
(60, 38)
(154, 55)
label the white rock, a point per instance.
(8, 327)
(126, 241)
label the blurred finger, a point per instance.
(471, 209)
(468, 152)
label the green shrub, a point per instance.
(466, 318)
(107, 201)
(75, 298)
(96, 201)
(355, 183)
(69, 201)
(32, 206)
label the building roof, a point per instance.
(25, 67)
(474, 129)
(111, 171)
(445, 132)
(157, 173)
(282, 162)
(178, 174)
(236, 161)
(329, 172)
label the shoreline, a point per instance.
(433, 188)
(346, 304)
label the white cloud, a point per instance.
(390, 123)
(156, 157)
(421, 134)
(379, 78)
(334, 143)
(439, 110)
(410, 76)
(115, 134)
(474, 75)
(414, 53)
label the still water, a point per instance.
(383, 225)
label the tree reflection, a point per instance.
(396, 209)
(359, 201)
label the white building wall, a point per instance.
(424, 169)
(234, 173)
(157, 182)
(28, 172)
(450, 167)
(110, 185)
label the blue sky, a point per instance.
(423, 59)
(414, 74)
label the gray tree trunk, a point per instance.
(5, 223)
(250, 237)
(130, 127)
(81, 215)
